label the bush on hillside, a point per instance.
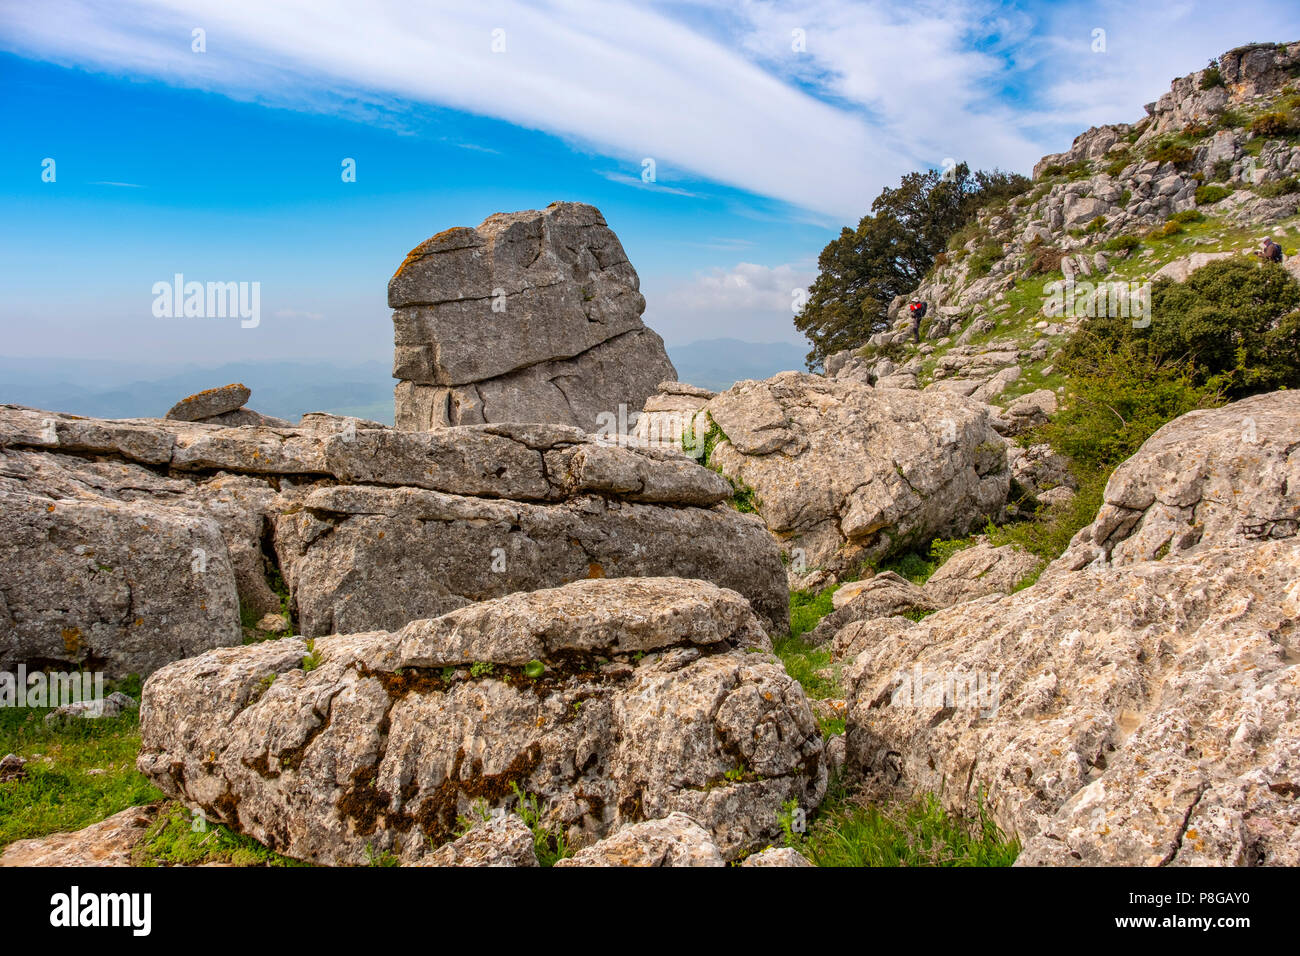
(1275, 123)
(1210, 194)
(1279, 187)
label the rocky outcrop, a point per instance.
(676, 840)
(110, 842)
(1137, 709)
(531, 317)
(846, 472)
(611, 702)
(669, 417)
(1216, 477)
(979, 570)
(881, 595)
(501, 840)
(128, 544)
(209, 403)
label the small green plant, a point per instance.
(182, 837)
(1169, 151)
(482, 669)
(549, 845)
(1211, 193)
(313, 658)
(1279, 187)
(534, 669)
(1128, 241)
(387, 858)
(1275, 123)
(1211, 77)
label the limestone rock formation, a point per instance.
(531, 317)
(844, 471)
(676, 840)
(1220, 476)
(109, 842)
(128, 544)
(979, 570)
(501, 840)
(209, 403)
(611, 701)
(1134, 708)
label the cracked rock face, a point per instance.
(1141, 711)
(533, 317)
(844, 471)
(1220, 476)
(125, 545)
(656, 695)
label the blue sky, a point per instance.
(224, 165)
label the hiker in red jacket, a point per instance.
(918, 313)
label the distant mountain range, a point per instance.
(115, 389)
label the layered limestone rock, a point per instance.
(1220, 476)
(843, 472)
(128, 544)
(531, 317)
(611, 702)
(1135, 708)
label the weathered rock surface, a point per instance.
(533, 317)
(776, 856)
(209, 403)
(129, 544)
(676, 840)
(979, 570)
(882, 595)
(845, 472)
(1140, 711)
(669, 415)
(107, 843)
(657, 696)
(502, 840)
(1221, 476)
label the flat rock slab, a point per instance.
(107, 843)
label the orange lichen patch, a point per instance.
(594, 570)
(212, 391)
(424, 248)
(49, 507)
(71, 639)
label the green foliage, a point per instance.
(1169, 151)
(482, 669)
(921, 833)
(802, 661)
(534, 669)
(549, 845)
(1275, 123)
(1119, 392)
(1187, 216)
(1279, 187)
(313, 658)
(1118, 243)
(59, 793)
(1095, 226)
(807, 608)
(180, 838)
(981, 261)
(1211, 193)
(890, 251)
(1233, 320)
(1211, 77)
(1049, 530)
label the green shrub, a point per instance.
(1275, 123)
(1210, 194)
(1168, 151)
(1187, 216)
(1279, 187)
(982, 259)
(1126, 241)
(1211, 77)
(1170, 228)
(1095, 226)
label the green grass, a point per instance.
(179, 838)
(59, 793)
(802, 662)
(845, 832)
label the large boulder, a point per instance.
(1220, 476)
(531, 317)
(1138, 704)
(844, 472)
(610, 701)
(1141, 715)
(152, 535)
(676, 840)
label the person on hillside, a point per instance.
(1270, 251)
(917, 309)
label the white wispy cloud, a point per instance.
(715, 88)
(747, 301)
